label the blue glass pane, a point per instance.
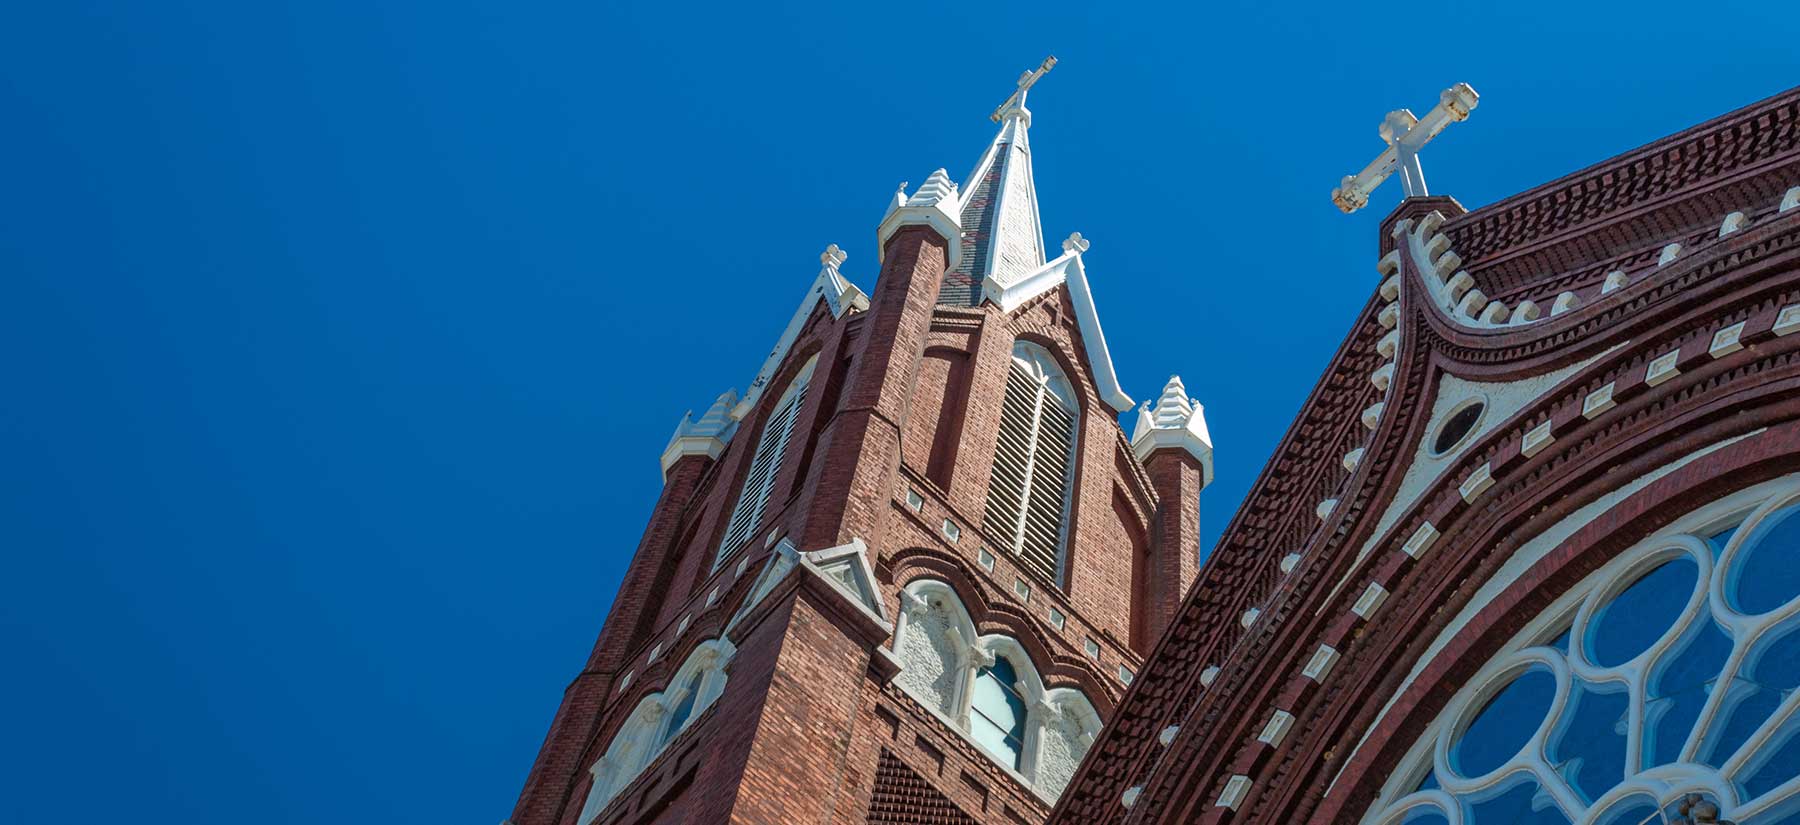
(1561, 642)
(998, 720)
(1777, 761)
(1766, 576)
(1632, 811)
(1785, 813)
(1424, 815)
(1429, 783)
(1769, 673)
(1588, 746)
(678, 717)
(1680, 682)
(1633, 620)
(1505, 724)
(1521, 803)
(1718, 540)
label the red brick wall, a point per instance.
(908, 397)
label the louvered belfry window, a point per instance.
(765, 465)
(1029, 494)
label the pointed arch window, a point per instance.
(753, 498)
(684, 709)
(1028, 498)
(997, 712)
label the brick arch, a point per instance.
(1737, 466)
(997, 616)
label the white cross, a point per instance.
(1017, 100)
(1405, 136)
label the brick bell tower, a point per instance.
(910, 572)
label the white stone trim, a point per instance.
(1236, 788)
(1727, 340)
(1421, 541)
(1321, 663)
(1662, 367)
(1371, 600)
(1536, 439)
(1478, 482)
(1787, 320)
(1393, 801)
(1276, 729)
(1598, 401)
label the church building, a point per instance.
(1530, 552)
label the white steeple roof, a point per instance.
(1176, 421)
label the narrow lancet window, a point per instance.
(1028, 497)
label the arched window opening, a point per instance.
(988, 689)
(1028, 497)
(765, 464)
(997, 712)
(684, 709)
(1667, 680)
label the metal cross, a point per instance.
(1405, 136)
(1025, 81)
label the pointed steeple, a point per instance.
(1001, 235)
(1176, 421)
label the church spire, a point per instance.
(1001, 237)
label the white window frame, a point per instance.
(1053, 386)
(975, 650)
(1664, 784)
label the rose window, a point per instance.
(1662, 689)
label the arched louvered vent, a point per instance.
(1029, 495)
(765, 465)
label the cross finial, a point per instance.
(1016, 103)
(1075, 243)
(832, 257)
(1405, 135)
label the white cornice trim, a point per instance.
(840, 296)
(1067, 269)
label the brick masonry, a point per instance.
(905, 402)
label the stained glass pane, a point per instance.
(1633, 620)
(1769, 673)
(1589, 746)
(1632, 811)
(1520, 802)
(1766, 576)
(1424, 815)
(1505, 724)
(1777, 761)
(998, 718)
(1682, 679)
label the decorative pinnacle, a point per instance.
(832, 257)
(1075, 243)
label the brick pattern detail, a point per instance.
(902, 797)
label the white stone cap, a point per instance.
(1176, 421)
(705, 437)
(936, 205)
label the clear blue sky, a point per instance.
(340, 340)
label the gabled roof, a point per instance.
(1010, 294)
(840, 296)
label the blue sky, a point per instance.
(341, 339)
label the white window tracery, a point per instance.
(1673, 671)
(656, 721)
(1038, 733)
(765, 464)
(1028, 495)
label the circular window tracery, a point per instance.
(1665, 678)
